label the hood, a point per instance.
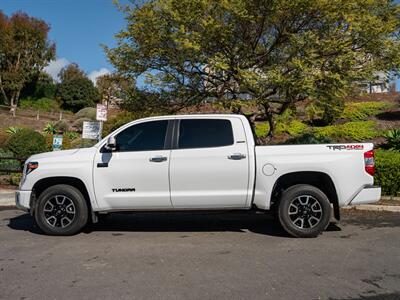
(59, 154)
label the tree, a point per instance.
(75, 89)
(114, 88)
(40, 86)
(24, 51)
(274, 52)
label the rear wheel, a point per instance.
(61, 210)
(304, 211)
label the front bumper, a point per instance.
(369, 194)
(23, 199)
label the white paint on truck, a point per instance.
(236, 174)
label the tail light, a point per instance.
(369, 162)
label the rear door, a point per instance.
(209, 164)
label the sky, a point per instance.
(78, 27)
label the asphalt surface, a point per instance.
(201, 256)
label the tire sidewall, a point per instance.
(299, 190)
(81, 209)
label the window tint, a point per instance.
(142, 137)
(202, 133)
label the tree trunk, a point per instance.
(13, 109)
(14, 103)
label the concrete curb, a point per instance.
(7, 198)
(371, 207)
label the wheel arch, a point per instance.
(41, 185)
(320, 180)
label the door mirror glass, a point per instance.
(111, 144)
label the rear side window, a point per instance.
(204, 133)
(143, 137)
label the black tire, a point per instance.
(299, 209)
(61, 210)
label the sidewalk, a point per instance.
(391, 204)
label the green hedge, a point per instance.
(387, 164)
(359, 111)
(355, 131)
(43, 104)
(9, 164)
(25, 143)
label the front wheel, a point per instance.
(61, 210)
(304, 211)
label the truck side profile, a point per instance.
(196, 162)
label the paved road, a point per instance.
(201, 256)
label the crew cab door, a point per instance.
(135, 175)
(209, 164)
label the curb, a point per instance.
(7, 198)
(371, 207)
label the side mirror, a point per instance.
(111, 144)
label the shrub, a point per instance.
(49, 128)
(387, 164)
(356, 131)
(3, 138)
(61, 126)
(10, 164)
(293, 128)
(26, 142)
(13, 129)
(72, 135)
(308, 138)
(393, 139)
(358, 111)
(78, 124)
(325, 111)
(261, 129)
(285, 123)
(87, 112)
(42, 104)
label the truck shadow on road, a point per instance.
(174, 222)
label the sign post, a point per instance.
(91, 130)
(57, 142)
(101, 116)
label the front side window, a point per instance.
(143, 137)
(204, 133)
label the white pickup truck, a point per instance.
(196, 162)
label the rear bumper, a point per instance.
(369, 194)
(22, 200)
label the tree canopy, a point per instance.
(75, 89)
(114, 88)
(24, 51)
(274, 52)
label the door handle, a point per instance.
(237, 156)
(102, 165)
(158, 158)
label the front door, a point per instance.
(209, 167)
(135, 175)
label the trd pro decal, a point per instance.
(346, 147)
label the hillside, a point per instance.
(29, 118)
